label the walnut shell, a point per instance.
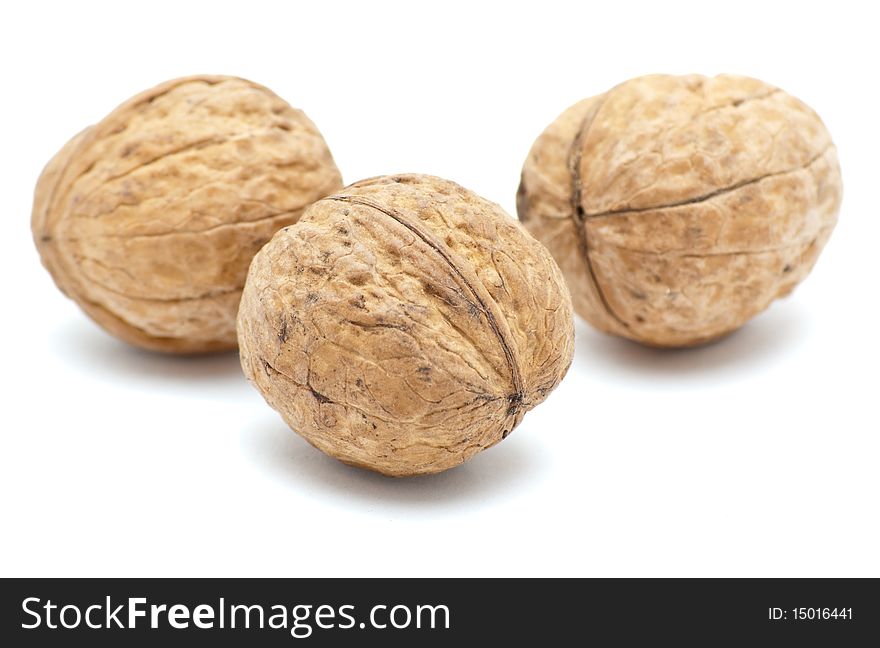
(149, 219)
(680, 207)
(404, 324)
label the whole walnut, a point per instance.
(404, 324)
(149, 219)
(680, 207)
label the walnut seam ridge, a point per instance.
(517, 398)
(577, 214)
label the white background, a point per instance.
(756, 456)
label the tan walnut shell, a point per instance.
(679, 207)
(149, 219)
(404, 324)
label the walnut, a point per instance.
(680, 207)
(404, 324)
(149, 219)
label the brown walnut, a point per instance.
(149, 219)
(680, 207)
(404, 324)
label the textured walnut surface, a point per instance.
(149, 219)
(404, 324)
(680, 207)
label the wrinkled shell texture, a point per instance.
(149, 219)
(680, 207)
(404, 324)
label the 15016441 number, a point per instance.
(810, 613)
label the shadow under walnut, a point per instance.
(404, 324)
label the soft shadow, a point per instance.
(82, 345)
(507, 468)
(769, 335)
